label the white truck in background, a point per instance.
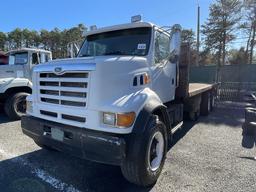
(119, 101)
(15, 79)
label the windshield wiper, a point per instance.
(115, 53)
(85, 55)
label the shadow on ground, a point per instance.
(85, 175)
(229, 113)
(15, 175)
(3, 116)
(248, 158)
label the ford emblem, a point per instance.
(58, 70)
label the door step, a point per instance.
(174, 129)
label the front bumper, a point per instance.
(92, 145)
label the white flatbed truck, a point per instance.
(119, 101)
(15, 79)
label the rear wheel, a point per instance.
(146, 155)
(15, 105)
(212, 102)
(205, 107)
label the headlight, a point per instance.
(109, 118)
(29, 107)
(121, 120)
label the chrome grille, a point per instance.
(68, 89)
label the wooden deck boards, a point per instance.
(197, 88)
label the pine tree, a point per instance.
(219, 29)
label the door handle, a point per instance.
(9, 71)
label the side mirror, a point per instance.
(175, 42)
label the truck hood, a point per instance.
(62, 65)
(111, 63)
(111, 77)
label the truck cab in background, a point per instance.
(15, 79)
(3, 58)
(118, 102)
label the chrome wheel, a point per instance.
(156, 151)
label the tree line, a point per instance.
(229, 33)
(55, 40)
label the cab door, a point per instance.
(163, 72)
(33, 60)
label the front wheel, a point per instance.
(146, 155)
(15, 105)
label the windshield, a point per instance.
(134, 41)
(18, 58)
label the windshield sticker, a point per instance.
(142, 46)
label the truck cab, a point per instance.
(116, 103)
(15, 78)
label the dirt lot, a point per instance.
(206, 156)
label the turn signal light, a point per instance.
(125, 119)
(146, 78)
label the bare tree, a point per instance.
(250, 27)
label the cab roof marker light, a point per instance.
(136, 18)
(93, 28)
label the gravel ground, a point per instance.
(206, 156)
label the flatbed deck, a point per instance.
(197, 88)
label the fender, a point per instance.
(15, 83)
(150, 108)
(140, 126)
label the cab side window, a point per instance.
(162, 46)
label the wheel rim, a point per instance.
(20, 106)
(156, 150)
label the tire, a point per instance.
(248, 142)
(15, 105)
(205, 107)
(212, 102)
(249, 135)
(250, 115)
(137, 168)
(249, 129)
(194, 115)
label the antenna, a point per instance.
(198, 34)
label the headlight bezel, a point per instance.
(119, 120)
(107, 118)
